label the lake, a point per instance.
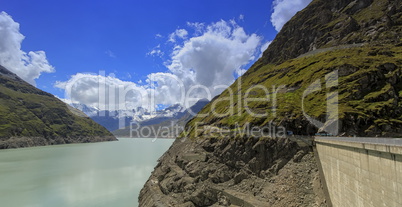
(94, 174)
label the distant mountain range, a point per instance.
(120, 120)
(162, 126)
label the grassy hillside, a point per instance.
(26, 112)
(370, 92)
(358, 40)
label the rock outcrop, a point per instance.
(227, 172)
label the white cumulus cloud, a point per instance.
(201, 65)
(107, 92)
(27, 65)
(284, 10)
(212, 58)
(103, 92)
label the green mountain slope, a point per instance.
(369, 89)
(367, 58)
(31, 117)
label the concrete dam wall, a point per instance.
(362, 171)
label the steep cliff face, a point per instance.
(331, 23)
(344, 54)
(32, 117)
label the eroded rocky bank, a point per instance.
(240, 172)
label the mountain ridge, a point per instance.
(114, 119)
(32, 117)
(335, 23)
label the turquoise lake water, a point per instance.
(106, 174)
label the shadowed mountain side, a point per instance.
(32, 117)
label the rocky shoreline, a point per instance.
(235, 172)
(21, 142)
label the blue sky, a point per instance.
(130, 40)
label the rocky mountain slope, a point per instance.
(241, 172)
(345, 53)
(327, 24)
(31, 117)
